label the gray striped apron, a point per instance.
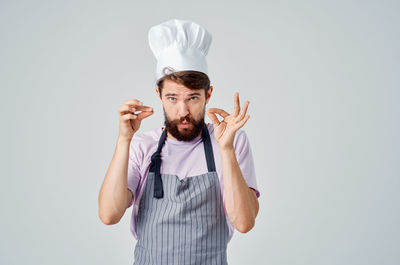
(181, 222)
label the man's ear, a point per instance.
(209, 94)
(158, 93)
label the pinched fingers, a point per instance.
(130, 120)
(213, 118)
(211, 113)
(131, 107)
(144, 114)
(221, 112)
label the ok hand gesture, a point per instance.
(225, 130)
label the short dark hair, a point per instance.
(190, 79)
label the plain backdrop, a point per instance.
(322, 78)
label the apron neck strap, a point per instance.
(205, 135)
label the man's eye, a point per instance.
(193, 97)
(171, 98)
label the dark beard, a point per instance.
(188, 134)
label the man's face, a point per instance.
(184, 110)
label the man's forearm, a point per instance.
(113, 196)
(241, 202)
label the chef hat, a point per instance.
(181, 45)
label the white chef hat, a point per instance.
(181, 45)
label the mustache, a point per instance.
(187, 119)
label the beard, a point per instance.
(187, 134)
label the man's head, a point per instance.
(184, 96)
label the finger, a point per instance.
(129, 109)
(144, 114)
(236, 103)
(133, 102)
(242, 122)
(243, 111)
(221, 112)
(213, 118)
(142, 108)
(126, 109)
(138, 107)
(128, 116)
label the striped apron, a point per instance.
(181, 222)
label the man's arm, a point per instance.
(114, 194)
(241, 202)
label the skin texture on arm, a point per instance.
(114, 194)
(241, 202)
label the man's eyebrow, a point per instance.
(191, 94)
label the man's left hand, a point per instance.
(225, 130)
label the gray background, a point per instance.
(323, 82)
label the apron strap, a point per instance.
(156, 160)
(156, 166)
(208, 149)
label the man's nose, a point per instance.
(183, 109)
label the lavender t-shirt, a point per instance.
(184, 159)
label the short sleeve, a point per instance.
(245, 160)
(134, 162)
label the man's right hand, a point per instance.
(129, 121)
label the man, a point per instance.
(190, 183)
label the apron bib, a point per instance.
(181, 222)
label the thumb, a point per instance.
(144, 114)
